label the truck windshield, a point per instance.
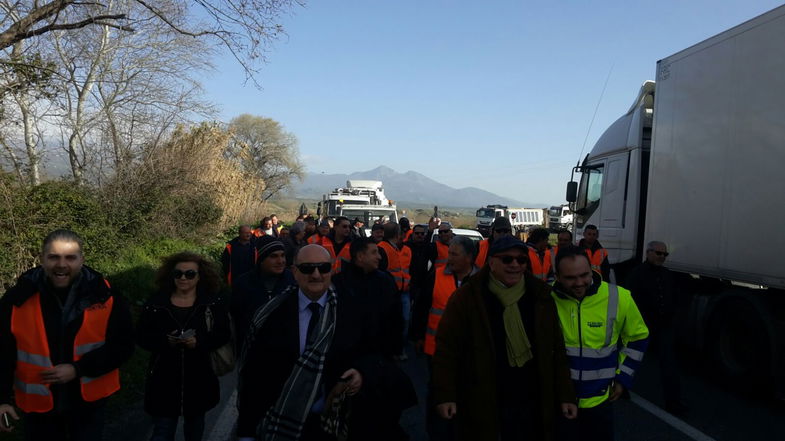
(589, 193)
(555, 211)
(486, 212)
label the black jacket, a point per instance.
(377, 292)
(654, 290)
(241, 260)
(249, 292)
(181, 381)
(89, 289)
(276, 348)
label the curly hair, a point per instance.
(209, 279)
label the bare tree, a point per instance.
(244, 27)
(272, 152)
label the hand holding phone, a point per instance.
(7, 412)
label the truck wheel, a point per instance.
(739, 343)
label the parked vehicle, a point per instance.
(360, 199)
(521, 219)
(560, 218)
(690, 163)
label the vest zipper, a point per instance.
(580, 341)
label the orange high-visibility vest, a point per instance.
(443, 288)
(33, 357)
(540, 267)
(398, 262)
(482, 255)
(554, 251)
(315, 238)
(343, 257)
(407, 235)
(596, 258)
(442, 251)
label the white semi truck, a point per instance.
(698, 162)
(363, 199)
(560, 217)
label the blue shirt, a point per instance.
(305, 317)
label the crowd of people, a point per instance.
(522, 340)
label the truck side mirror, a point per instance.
(572, 191)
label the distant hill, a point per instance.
(410, 187)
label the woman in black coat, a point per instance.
(173, 327)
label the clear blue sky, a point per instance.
(497, 94)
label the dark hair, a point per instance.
(590, 227)
(391, 230)
(564, 231)
(359, 245)
(273, 215)
(209, 280)
(570, 251)
(263, 221)
(340, 219)
(63, 235)
(469, 248)
(538, 234)
(405, 224)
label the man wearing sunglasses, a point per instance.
(500, 367)
(309, 346)
(441, 247)
(605, 339)
(501, 227)
(655, 290)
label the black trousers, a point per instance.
(83, 423)
(592, 424)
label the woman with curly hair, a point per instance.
(180, 325)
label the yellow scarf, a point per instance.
(519, 349)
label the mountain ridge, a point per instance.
(406, 187)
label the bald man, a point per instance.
(311, 323)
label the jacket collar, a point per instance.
(89, 287)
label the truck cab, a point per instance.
(613, 184)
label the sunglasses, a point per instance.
(503, 231)
(189, 274)
(419, 233)
(508, 259)
(308, 268)
(661, 253)
(445, 231)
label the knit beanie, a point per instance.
(267, 245)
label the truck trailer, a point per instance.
(696, 162)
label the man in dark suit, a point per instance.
(308, 347)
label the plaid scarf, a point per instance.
(285, 420)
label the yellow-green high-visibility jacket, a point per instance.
(605, 338)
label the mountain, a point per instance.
(410, 187)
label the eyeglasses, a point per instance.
(503, 231)
(661, 253)
(308, 268)
(508, 259)
(419, 233)
(189, 274)
(445, 231)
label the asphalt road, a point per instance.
(715, 411)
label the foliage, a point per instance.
(266, 151)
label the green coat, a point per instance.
(464, 365)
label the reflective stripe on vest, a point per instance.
(443, 288)
(540, 268)
(442, 251)
(482, 254)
